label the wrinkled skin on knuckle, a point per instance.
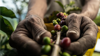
(88, 24)
(70, 17)
(23, 34)
(88, 33)
(73, 22)
(15, 36)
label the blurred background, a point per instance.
(13, 11)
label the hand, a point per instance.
(28, 34)
(82, 31)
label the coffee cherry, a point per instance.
(65, 16)
(58, 20)
(46, 49)
(57, 27)
(59, 15)
(64, 28)
(62, 18)
(53, 32)
(65, 42)
(55, 22)
(46, 40)
(62, 22)
(65, 54)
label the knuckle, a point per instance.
(73, 15)
(12, 39)
(13, 36)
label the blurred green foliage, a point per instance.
(7, 26)
(66, 9)
(97, 20)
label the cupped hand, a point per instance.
(27, 37)
(82, 31)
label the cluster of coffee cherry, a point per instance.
(59, 25)
(46, 48)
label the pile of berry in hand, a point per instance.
(59, 25)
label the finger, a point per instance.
(24, 44)
(87, 40)
(89, 33)
(73, 21)
(37, 30)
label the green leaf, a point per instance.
(60, 4)
(6, 26)
(97, 21)
(3, 38)
(13, 22)
(7, 12)
(52, 16)
(68, 8)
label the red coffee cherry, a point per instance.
(57, 27)
(65, 42)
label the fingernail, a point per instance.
(72, 35)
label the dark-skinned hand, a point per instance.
(82, 31)
(27, 37)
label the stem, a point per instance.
(56, 48)
(58, 38)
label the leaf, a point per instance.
(7, 12)
(13, 22)
(68, 8)
(3, 37)
(52, 16)
(60, 4)
(6, 26)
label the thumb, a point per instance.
(73, 22)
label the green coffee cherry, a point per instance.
(58, 20)
(46, 40)
(55, 22)
(65, 13)
(46, 49)
(53, 32)
(65, 54)
(64, 28)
